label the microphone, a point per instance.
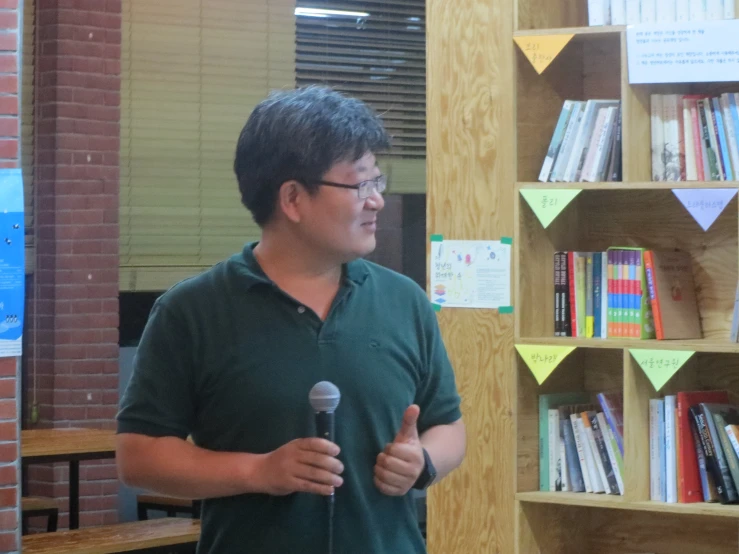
(324, 398)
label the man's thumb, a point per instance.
(409, 431)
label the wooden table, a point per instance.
(162, 535)
(68, 445)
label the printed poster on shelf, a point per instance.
(685, 52)
(471, 273)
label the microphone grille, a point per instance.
(324, 396)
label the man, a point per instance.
(230, 356)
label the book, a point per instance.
(550, 402)
(672, 296)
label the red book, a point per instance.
(653, 298)
(689, 477)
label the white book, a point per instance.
(618, 12)
(581, 453)
(729, 9)
(670, 449)
(589, 167)
(648, 11)
(655, 470)
(698, 107)
(607, 144)
(593, 170)
(584, 135)
(604, 286)
(595, 481)
(731, 133)
(563, 466)
(658, 141)
(633, 12)
(596, 12)
(691, 170)
(556, 142)
(671, 137)
(713, 139)
(596, 456)
(573, 124)
(611, 454)
(682, 10)
(698, 10)
(555, 482)
(715, 9)
(666, 11)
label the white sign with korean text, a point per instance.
(688, 52)
(471, 273)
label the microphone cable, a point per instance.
(331, 501)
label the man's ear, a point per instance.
(290, 198)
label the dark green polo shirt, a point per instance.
(229, 358)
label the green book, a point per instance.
(634, 308)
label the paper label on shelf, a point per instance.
(685, 52)
(548, 203)
(470, 273)
(543, 359)
(541, 50)
(705, 205)
(12, 262)
(660, 365)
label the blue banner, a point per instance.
(12, 262)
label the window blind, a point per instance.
(192, 71)
(379, 56)
(27, 107)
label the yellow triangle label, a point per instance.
(542, 49)
(548, 203)
(541, 359)
(660, 365)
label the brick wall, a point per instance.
(9, 401)
(8, 456)
(75, 375)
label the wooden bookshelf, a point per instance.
(635, 212)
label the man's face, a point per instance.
(336, 220)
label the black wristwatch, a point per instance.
(427, 475)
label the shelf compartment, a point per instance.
(637, 124)
(582, 371)
(650, 218)
(581, 33)
(558, 523)
(703, 371)
(582, 71)
(649, 185)
(619, 502)
(699, 345)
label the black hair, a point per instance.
(300, 134)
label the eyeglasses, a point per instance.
(364, 189)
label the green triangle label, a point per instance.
(548, 203)
(542, 359)
(660, 365)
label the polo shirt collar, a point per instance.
(356, 271)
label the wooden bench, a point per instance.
(168, 504)
(37, 506)
(155, 535)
